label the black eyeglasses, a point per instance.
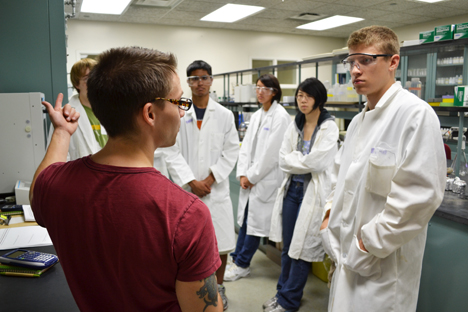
(183, 103)
(361, 59)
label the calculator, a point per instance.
(29, 259)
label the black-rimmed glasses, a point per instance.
(361, 60)
(183, 103)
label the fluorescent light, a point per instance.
(330, 22)
(430, 1)
(231, 13)
(104, 6)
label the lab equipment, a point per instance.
(23, 138)
(28, 258)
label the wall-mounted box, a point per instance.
(461, 96)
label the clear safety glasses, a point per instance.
(304, 96)
(264, 90)
(361, 60)
(193, 80)
(183, 103)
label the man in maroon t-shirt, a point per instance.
(127, 237)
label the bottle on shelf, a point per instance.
(213, 96)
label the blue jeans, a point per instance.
(294, 273)
(246, 245)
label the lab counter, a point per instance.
(453, 208)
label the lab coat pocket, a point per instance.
(380, 171)
(361, 262)
(325, 233)
(266, 190)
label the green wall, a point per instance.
(33, 53)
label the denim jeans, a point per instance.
(246, 245)
(294, 273)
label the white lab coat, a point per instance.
(386, 198)
(83, 141)
(198, 152)
(159, 161)
(264, 171)
(306, 243)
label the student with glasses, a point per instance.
(127, 237)
(203, 157)
(306, 158)
(259, 174)
(390, 180)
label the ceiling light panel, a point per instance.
(231, 13)
(330, 22)
(115, 7)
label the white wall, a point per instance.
(224, 50)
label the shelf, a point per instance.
(448, 65)
(447, 85)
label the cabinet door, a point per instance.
(416, 71)
(449, 69)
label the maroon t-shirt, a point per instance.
(124, 235)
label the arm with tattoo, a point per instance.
(199, 295)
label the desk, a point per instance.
(50, 292)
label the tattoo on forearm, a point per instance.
(209, 291)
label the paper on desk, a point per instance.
(22, 237)
(28, 213)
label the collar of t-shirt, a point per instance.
(200, 112)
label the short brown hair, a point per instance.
(79, 69)
(381, 37)
(123, 81)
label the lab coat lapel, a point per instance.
(209, 112)
(85, 127)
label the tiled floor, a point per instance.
(249, 293)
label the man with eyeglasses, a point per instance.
(204, 156)
(127, 237)
(390, 179)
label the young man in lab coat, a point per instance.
(127, 237)
(390, 180)
(203, 157)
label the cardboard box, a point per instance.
(444, 32)
(426, 36)
(461, 31)
(461, 96)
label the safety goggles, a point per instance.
(183, 103)
(305, 96)
(192, 80)
(264, 90)
(361, 60)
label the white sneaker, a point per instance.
(235, 272)
(229, 263)
(270, 302)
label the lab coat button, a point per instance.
(344, 255)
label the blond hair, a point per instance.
(381, 37)
(79, 69)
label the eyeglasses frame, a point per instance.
(178, 102)
(374, 56)
(199, 79)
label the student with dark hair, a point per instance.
(135, 226)
(259, 174)
(306, 157)
(203, 157)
